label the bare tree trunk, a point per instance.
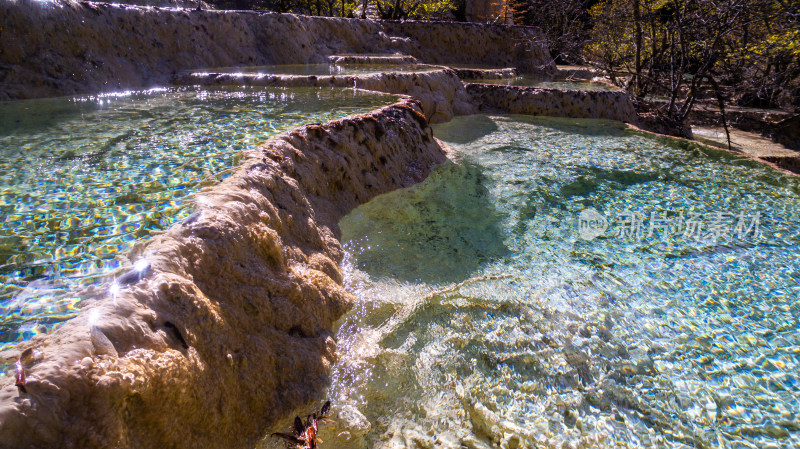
(637, 30)
(721, 104)
(396, 11)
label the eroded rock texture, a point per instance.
(610, 105)
(66, 47)
(524, 48)
(372, 59)
(486, 74)
(225, 323)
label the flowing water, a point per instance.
(82, 179)
(572, 283)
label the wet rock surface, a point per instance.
(228, 328)
(655, 122)
(66, 47)
(372, 59)
(745, 119)
(574, 71)
(188, 4)
(500, 46)
(611, 105)
(478, 74)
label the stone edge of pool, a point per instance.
(788, 165)
(610, 105)
(226, 326)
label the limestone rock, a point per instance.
(610, 105)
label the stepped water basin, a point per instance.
(83, 179)
(322, 69)
(552, 83)
(572, 283)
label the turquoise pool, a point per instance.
(83, 179)
(514, 299)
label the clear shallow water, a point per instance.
(324, 69)
(82, 179)
(529, 81)
(483, 318)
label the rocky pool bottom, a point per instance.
(572, 283)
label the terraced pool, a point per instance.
(83, 179)
(555, 83)
(323, 69)
(561, 283)
(573, 283)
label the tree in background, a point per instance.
(414, 9)
(385, 9)
(483, 11)
(746, 51)
(564, 22)
(767, 68)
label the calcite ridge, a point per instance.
(227, 328)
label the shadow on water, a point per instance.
(544, 193)
(591, 179)
(439, 231)
(34, 115)
(467, 129)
